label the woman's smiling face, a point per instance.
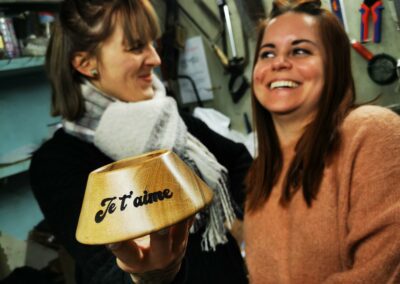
(289, 73)
(125, 72)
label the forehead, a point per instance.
(136, 25)
(291, 26)
(117, 34)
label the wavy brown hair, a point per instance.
(321, 137)
(83, 25)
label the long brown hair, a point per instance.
(321, 137)
(83, 25)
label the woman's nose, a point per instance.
(152, 58)
(281, 62)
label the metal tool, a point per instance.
(338, 9)
(238, 84)
(227, 18)
(373, 8)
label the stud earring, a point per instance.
(94, 72)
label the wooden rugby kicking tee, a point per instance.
(136, 196)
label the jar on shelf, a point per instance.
(9, 37)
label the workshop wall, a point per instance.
(390, 44)
(206, 14)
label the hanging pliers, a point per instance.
(373, 7)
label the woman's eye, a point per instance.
(137, 48)
(266, 54)
(301, 51)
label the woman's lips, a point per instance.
(147, 78)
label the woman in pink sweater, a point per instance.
(323, 200)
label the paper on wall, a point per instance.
(193, 63)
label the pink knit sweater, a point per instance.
(351, 234)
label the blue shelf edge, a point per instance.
(16, 168)
(21, 63)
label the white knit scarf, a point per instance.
(120, 130)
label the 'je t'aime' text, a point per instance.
(111, 203)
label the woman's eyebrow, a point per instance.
(295, 42)
(299, 41)
(269, 45)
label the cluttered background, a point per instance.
(207, 48)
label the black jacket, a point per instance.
(59, 171)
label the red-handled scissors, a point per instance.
(373, 7)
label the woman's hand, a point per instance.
(155, 258)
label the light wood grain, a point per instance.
(139, 195)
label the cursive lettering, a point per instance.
(110, 203)
(125, 196)
(110, 207)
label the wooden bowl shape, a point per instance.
(136, 196)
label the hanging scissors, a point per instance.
(373, 7)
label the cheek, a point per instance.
(319, 80)
(259, 88)
(313, 71)
(258, 74)
(259, 93)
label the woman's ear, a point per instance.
(85, 64)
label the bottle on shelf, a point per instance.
(9, 37)
(2, 47)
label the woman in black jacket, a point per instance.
(100, 61)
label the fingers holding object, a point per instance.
(155, 251)
(180, 234)
(160, 246)
(130, 257)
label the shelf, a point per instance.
(25, 102)
(18, 6)
(21, 63)
(15, 168)
(29, 1)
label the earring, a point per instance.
(94, 72)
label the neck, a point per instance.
(290, 126)
(289, 131)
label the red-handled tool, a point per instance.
(381, 67)
(362, 50)
(373, 8)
